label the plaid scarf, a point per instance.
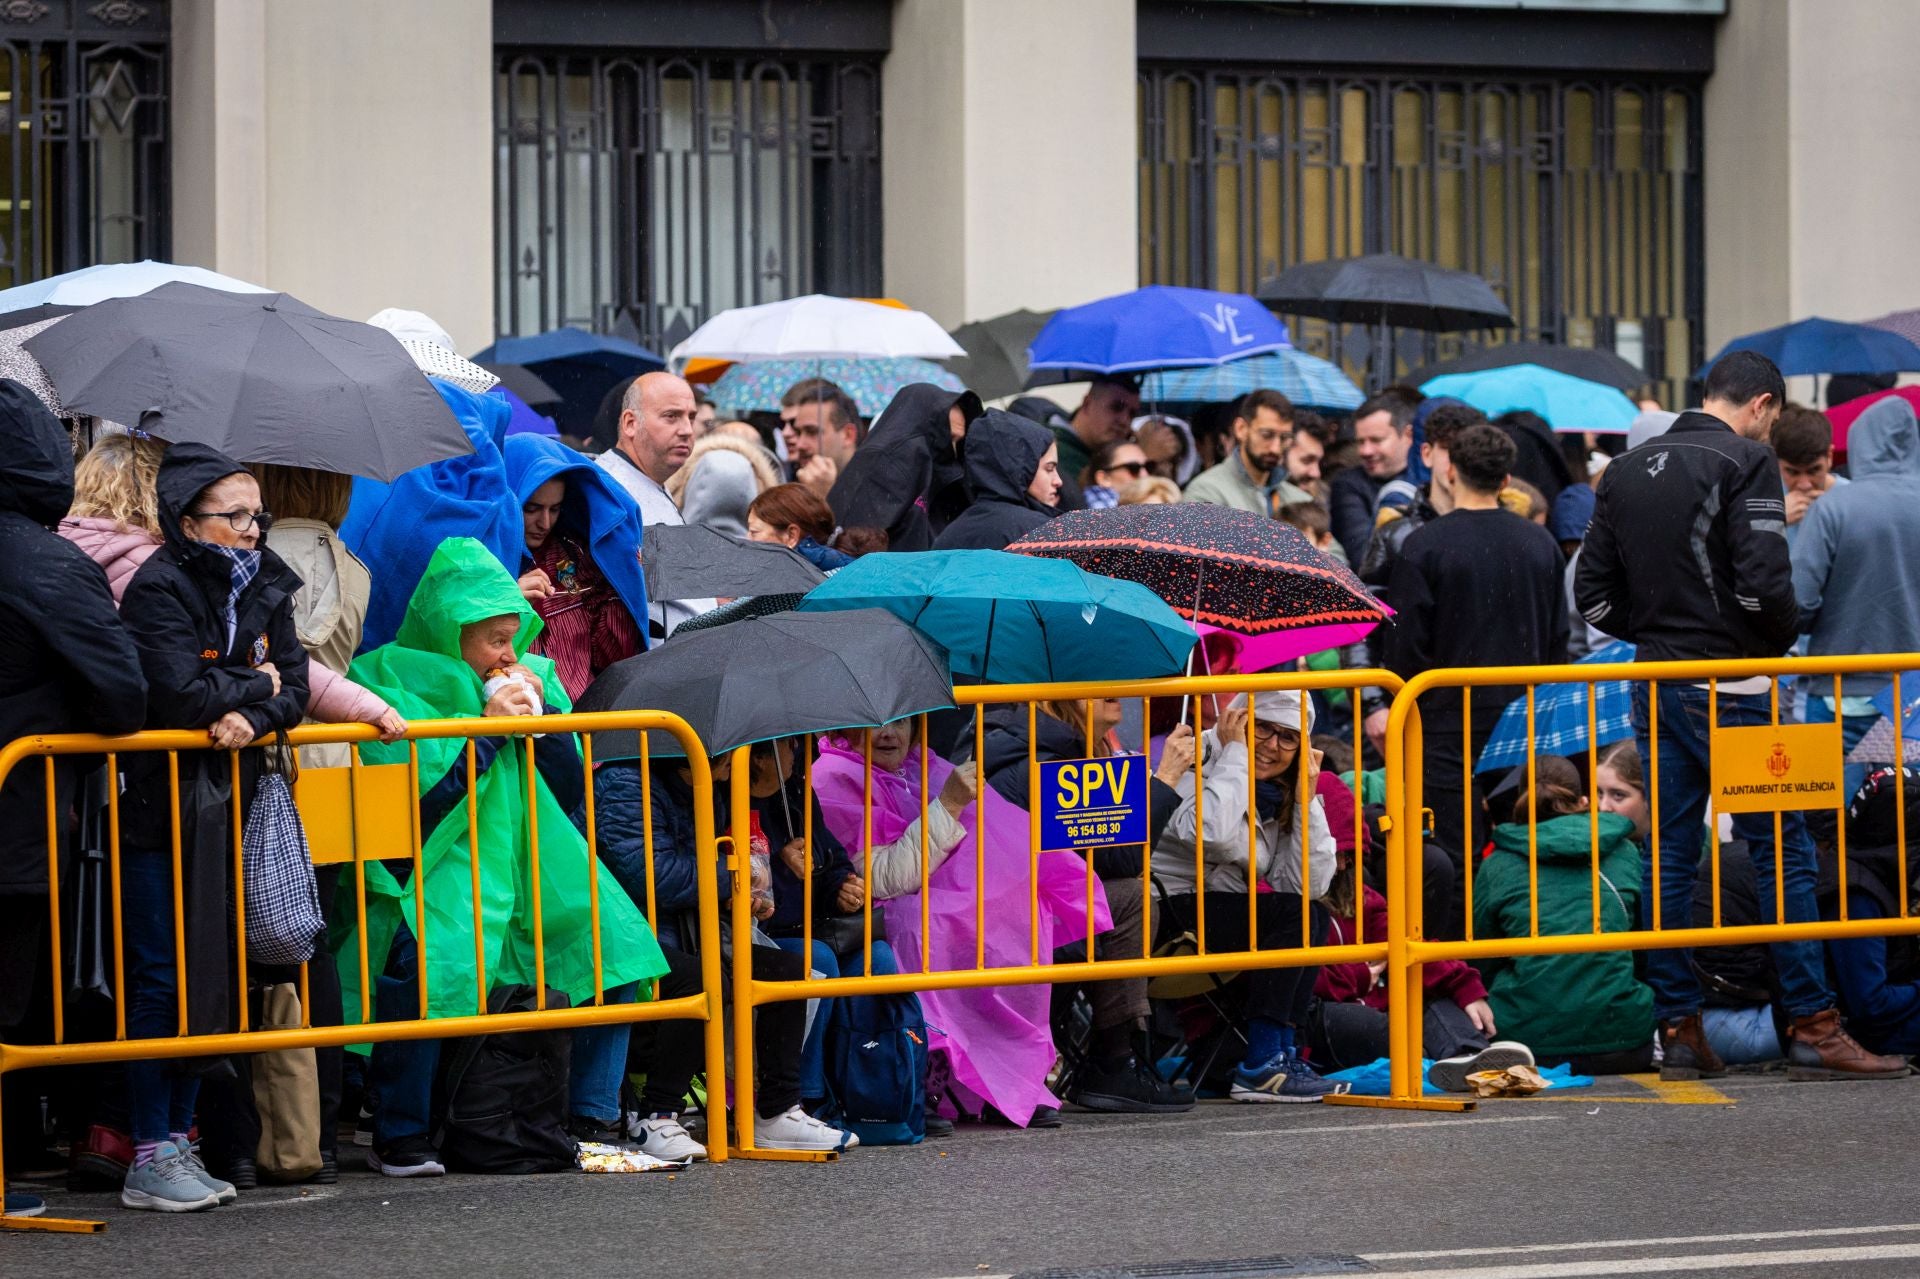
(243, 565)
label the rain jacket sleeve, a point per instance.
(184, 689)
(335, 699)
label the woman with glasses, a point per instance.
(1116, 465)
(1203, 861)
(211, 612)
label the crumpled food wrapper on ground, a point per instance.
(594, 1156)
(1514, 1081)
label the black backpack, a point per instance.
(504, 1097)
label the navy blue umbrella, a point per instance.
(1827, 346)
(581, 366)
(1158, 327)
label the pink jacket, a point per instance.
(332, 697)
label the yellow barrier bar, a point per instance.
(1840, 851)
(53, 905)
(533, 876)
(866, 819)
(1713, 827)
(1359, 822)
(1779, 844)
(237, 821)
(1253, 834)
(740, 862)
(1593, 804)
(1035, 805)
(1666, 939)
(1653, 797)
(926, 851)
(419, 857)
(1200, 835)
(593, 871)
(1033, 831)
(1533, 824)
(979, 834)
(1466, 807)
(119, 917)
(1302, 766)
(1146, 859)
(806, 839)
(1900, 790)
(179, 893)
(646, 835)
(706, 877)
(473, 857)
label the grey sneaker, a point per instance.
(166, 1185)
(1449, 1074)
(222, 1190)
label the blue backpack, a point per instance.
(877, 1067)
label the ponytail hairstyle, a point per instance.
(1556, 788)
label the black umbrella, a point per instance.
(34, 314)
(691, 561)
(996, 360)
(525, 383)
(263, 377)
(1591, 363)
(1387, 289)
(775, 677)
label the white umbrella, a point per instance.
(817, 327)
(92, 284)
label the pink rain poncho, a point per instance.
(998, 1040)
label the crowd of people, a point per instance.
(171, 587)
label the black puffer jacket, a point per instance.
(1003, 455)
(67, 665)
(905, 477)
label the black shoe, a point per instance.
(407, 1157)
(608, 1132)
(1129, 1088)
(939, 1128)
(243, 1173)
(329, 1172)
(1045, 1117)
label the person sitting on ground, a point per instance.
(581, 570)
(1119, 1076)
(1013, 466)
(627, 807)
(1153, 490)
(1878, 978)
(211, 612)
(1587, 1009)
(908, 477)
(1112, 467)
(1269, 784)
(719, 482)
(993, 1046)
(464, 650)
(796, 517)
(1349, 1020)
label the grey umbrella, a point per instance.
(774, 677)
(263, 377)
(996, 360)
(691, 561)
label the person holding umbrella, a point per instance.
(1014, 468)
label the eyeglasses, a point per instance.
(240, 521)
(1265, 734)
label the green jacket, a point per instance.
(1563, 1005)
(1229, 484)
(1073, 455)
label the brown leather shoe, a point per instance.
(1820, 1049)
(1685, 1052)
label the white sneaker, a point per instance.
(1450, 1073)
(795, 1129)
(662, 1137)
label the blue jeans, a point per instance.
(813, 1053)
(159, 1100)
(1743, 1036)
(1684, 779)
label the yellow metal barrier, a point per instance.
(1752, 769)
(356, 815)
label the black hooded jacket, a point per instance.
(1003, 455)
(905, 477)
(67, 665)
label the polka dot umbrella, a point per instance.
(1217, 567)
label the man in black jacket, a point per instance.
(1383, 427)
(1686, 558)
(67, 667)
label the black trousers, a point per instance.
(678, 1047)
(1278, 994)
(1343, 1036)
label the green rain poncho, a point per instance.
(422, 675)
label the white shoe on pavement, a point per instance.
(795, 1129)
(662, 1137)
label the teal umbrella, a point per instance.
(1013, 619)
(757, 385)
(1304, 379)
(1568, 403)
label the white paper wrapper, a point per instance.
(593, 1156)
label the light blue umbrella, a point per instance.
(1302, 378)
(92, 284)
(1560, 717)
(758, 385)
(1568, 403)
(1013, 619)
(1157, 327)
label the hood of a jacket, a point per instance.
(1280, 706)
(463, 584)
(719, 492)
(1885, 440)
(187, 470)
(36, 457)
(1003, 454)
(921, 409)
(1567, 838)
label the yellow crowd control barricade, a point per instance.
(1087, 805)
(353, 816)
(1736, 754)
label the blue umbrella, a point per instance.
(1158, 327)
(1827, 346)
(526, 420)
(1560, 717)
(1568, 403)
(760, 384)
(581, 366)
(1302, 378)
(1013, 619)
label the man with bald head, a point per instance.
(656, 436)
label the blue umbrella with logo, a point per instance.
(1560, 717)
(1157, 327)
(1302, 378)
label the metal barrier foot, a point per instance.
(53, 1225)
(790, 1156)
(1450, 1104)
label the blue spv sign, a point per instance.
(1093, 803)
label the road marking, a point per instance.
(1666, 1092)
(1669, 1241)
(1342, 1129)
(1670, 1265)
(304, 1197)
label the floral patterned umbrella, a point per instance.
(758, 385)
